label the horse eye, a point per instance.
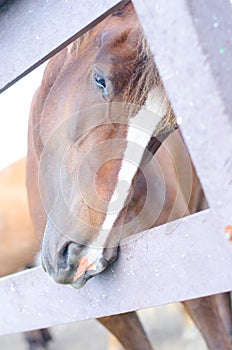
(100, 81)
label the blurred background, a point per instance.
(14, 111)
(166, 328)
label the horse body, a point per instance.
(100, 105)
(19, 242)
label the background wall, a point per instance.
(14, 113)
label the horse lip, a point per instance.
(81, 281)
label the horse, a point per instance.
(19, 242)
(98, 117)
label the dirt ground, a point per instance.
(166, 326)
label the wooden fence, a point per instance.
(192, 45)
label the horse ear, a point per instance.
(121, 12)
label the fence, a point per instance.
(192, 46)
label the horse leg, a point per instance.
(113, 343)
(206, 316)
(38, 339)
(224, 305)
(128, 330)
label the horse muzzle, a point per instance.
(71, 263)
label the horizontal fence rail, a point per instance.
(158, 267)
(183, 259)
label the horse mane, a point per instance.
(144, 77)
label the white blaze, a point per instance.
(140, 130)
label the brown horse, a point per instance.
(19, 242)
(100, 106)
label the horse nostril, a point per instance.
(64, 252)
(63, 257)
(67, 254)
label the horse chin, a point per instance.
(81, 281)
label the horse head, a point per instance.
(100, 106)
